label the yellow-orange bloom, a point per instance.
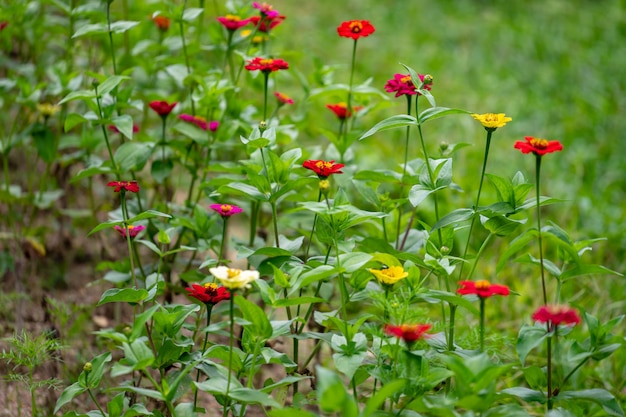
(492, 120)
(389, 275)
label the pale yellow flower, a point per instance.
(492, 120)
(47, 109)
(234, 279)
(389, 275)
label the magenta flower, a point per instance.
(226, 210)
(200, 122)
(401, 84)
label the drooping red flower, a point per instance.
(130, 229)
(233, 22)
(482, 288)
(162, 108)
(401, 84)
(283, 98)
(408, 332)
(114, 128)
(323, 169)
(200, 122)
(265, 9)
(226, 210)
(556, 314)
(266, 64)
(265, 24)
(3, 24)
(341, 110)
(124, 185)
(208, 293)
(162, 22)
(355, 29)
(538, 146)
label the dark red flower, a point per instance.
(226, 210)
(131, 230)
(402, 84)
(3, 24)
(208, 293)
(408, 332)
(265, 9)
(556, 314)
(538, 146)
(162, 108)
(233, 22)
(162, 22)
(482, 288)
(323, 169)
(265, 24)
(266, 64)
(341, 110)
(124, 185)
(355, 29)
(283, 98)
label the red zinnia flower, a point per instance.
(341, 110)
(208, 293)
(226, 210)
(555, 315)
(114, 128)
(266, 9)
(131, 230)
(200, 122)
(355, 29)
(402, 84)
(162, 108)
(265, 24)
(266, 64)
(538, 146)
(408, 332)
(283, 98)
(232, 22)
(162, 22)
(3, 24)
(482, 288)
(124, 185)
(323, 169)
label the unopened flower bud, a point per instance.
(428, 79)
(444, 250)
(324, 186)
(262, 126)
(87, 367)
(443, 146)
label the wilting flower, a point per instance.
(114, 128)
(124, 185)
(265, 24)
(556, 314)
(283, 98)
(233, 22)
(482, 288)
(162, 108)
(234, 279)
(208, 293)
(323, 169)
(401, 84)
(266, 64)
(130, 229)
(492, 121)
(355, 29)
(162, 22)
(226, 210)
(389, 276)
(265, 9)
(408, 332)
(48, 110)
(341, 110)
(538, 146)
(200, 122)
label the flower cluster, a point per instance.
(266, 64)
(323, 169)
(208, 293)
(124, 185)
(355, 29)
(200, 122)
(234, 279)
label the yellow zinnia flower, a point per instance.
(234, 279)
(47, 109)
(492, 120)
(389, 275)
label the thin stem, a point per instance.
(349, 103)
(266, 74)
(549, 344)
(308, 246)
(93, 398)
(275, 222)
(223, 244)
(254, 214)
(106, 135)
(230, 349)
(451, 328)
(187, 64)
(538, 181)
(482, 324)
(111, 38)
(209, 309)
(478, 255)
(127, 233)
(406, 143)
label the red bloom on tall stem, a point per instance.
(265, 24)
(556, 314)
(162, 108)
(208, 293)
(233, 22)
(538, 146)
(266, 64)
(408, 332)
(226, 210)
(341, 110)
(482, 288)
(132, 231)
(401, 84)
(323, 169)
(162, 22)
(124, 185)
(355, 29)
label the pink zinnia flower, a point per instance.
(266, 24)
(209, 293)
(408, 332)
(556, 314)
(323, 169)
(401, 84)
(226, 210)
(265, 9)
(200, 122)
(233, 22)
(266, 64)
(131, 230)
(124, 185)
(482, 288)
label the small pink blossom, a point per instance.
(226, 210)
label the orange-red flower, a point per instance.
(283, 98)
(538, 146)
(323, 169)
(124, 185)
(162, 108)
(265, 24)
(556, 314)
(162, 22)
(408, 332)
(209, 293)
(482, 288)
(341, 110)
(355, 29)
(401, 84)
(130, 229)
(233, 22)
(266, 64)
(226, 210)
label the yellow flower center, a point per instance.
(130, 227)
(47, 109)
(266, 61)
(356, 27)
(232, 272)
(226, 208)
(260, 39)
(323, 164)
(199, 119)
(539, 143)
(491, 117)
(233, 18)
(406, 79)
(483, 284)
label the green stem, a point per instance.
(451, 328)
(187, 64)
(406, 143)
(549, 345)
(223, 244)
(538, 181)
(266, 74)
(93, 398)
(209, 309)
(275, 222)
(308, 245)
(478, 255)
(230, 350)
(111, 38)
(482, 324)
(106, 135)
(128, 238)
(254, 217)
(349, 112)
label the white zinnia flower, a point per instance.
(234, 279)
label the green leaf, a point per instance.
(90, 29)
(452, 299)
(526, 394)
(122, 26)
(44, 142)
(456, 216)
(529, 337)
(387, 391)
(437, 112)
(353, 261)
(160, 170)
(125, 295)
(598, 396)
(132, 156)
(72, 120)
(192, 14)
(393, 122)
(69, 393)
(137, 355)
(587, 269)
(285, 302)
(110, 84)
(240, 188)
(259, 326)
(419, 192)
(148, 214)
(124, 124)
(502, 225)
(504, 188)
(90, 172)
(252, 396)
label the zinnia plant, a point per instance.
(323, 169)
(409, 333)
(233, 22)
(131, 230)
(355, 29)
(124, 186)
(162, 108)
(209, 293)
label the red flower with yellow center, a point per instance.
(162, 22)
(208, 293)
(408, 332)
(131, 230)
(283, 98)
(124, 185)
(556, 314)
(323, 169)
(162, 108)
(226, 210)
(482, 288)
(401, 84)
(355, 29)
(233, 22)
(538, 146)
(341, 110)
(266, 64)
